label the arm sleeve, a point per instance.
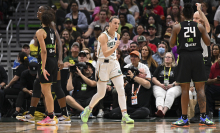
(3, 75)
(92, 4)
(136, 9)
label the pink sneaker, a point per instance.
(47, 122)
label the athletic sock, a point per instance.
(203, 115)
(64, 111)
(32, 110)
(50, 115)
(124, 113)
(184, 117)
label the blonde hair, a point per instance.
(173, 64)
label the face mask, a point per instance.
(161, 50)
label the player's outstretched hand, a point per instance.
(45, 73)
(117, 43)
(198, 6)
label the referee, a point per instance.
(187, 35)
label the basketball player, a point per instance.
(56, 86)
(187, 35)
(108, 68)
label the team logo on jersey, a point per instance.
(119, 71)
(111, 44)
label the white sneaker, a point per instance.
(64, 119)
(100, 114)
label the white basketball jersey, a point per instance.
(110, 44)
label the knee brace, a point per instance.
(36, 88)
(56, 87)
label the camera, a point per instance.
(80, 65)
(133, 69)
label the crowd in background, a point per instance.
(145, 28)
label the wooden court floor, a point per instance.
(153, 125)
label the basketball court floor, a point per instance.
(153, 125)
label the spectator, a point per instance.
(212, 90)
(120, 58)
(94, 58)
(140, 30)
(125, 43)
(215, 53)
(124, 22)
(152, 30)
(130, 18)
(133, 8)
(78, 18)
(217, 34)
(26, 82)
(88, 5)
(13, 87)
(209, 16)
(102, 21)
(83, 86)
(142, 41)
(69, 60)
(157, 8)
(26, 49)
(68, 38)
(98, 9)
(161, 3)
(61, 4)
(172, 3)
(175, 13)
(74, 30)
(97, 32)
(152, 21)
(146, 58)
(65, 51)
(34, 48)
(104, 7)
(81, 42)
(135, 61)
(165, 89)
(133, 47)
(82, 56)
(88, 55)
(161, 51)
(3, 82)
(138, 97)
(169, 22)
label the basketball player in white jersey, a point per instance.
(108, 68)
(200, 17)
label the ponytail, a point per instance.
(24, 59)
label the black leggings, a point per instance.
(135, 113)
(21, 96)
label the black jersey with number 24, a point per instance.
(49, 42)
(189, 37)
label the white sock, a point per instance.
(124, 113)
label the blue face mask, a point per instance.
(161, 50)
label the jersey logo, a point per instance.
(111, 44)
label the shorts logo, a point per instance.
(119, 71)
(33, 68)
